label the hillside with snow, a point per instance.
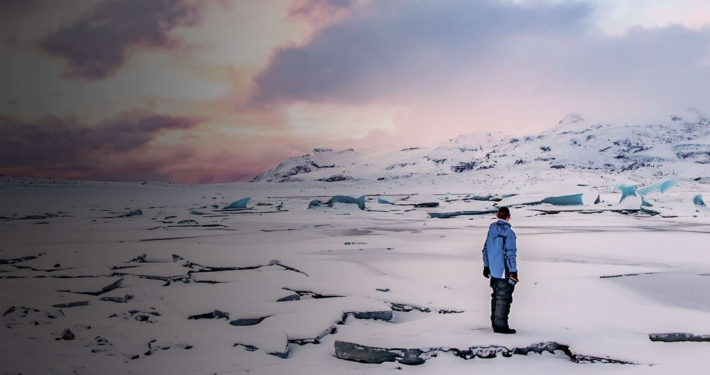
(677, 148)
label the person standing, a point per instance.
(500, 265)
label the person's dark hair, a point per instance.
(503, 213)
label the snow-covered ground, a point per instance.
(183, 287)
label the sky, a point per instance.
(207, 91)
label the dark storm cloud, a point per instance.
(8, 7)
(100, 42)
(399, 48)
(64, 146)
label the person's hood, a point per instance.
(500, 226)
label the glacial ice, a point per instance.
(698, 201)
(238, 205)
(345, 199)
(383, 201)
(314, 203)
(565, 200)
(660, 187)
(627, 190)
(134, 213)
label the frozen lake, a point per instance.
(187, 288)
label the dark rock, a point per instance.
(66, 335)
(216, 314)
(427, 204)
(385, 290)
(247, 321)
(71, 304)
(249, 348)
(336, 178)
(464, 166)
(292, 297)
(123, 299)
(678, 337)
(368, 354)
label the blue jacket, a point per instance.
(499, 250)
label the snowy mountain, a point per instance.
(678, 147)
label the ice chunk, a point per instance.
(698, 200)
(238, 205)
(447, 215)
(627, 191)
(565, 200)
(383, 201)
(658, 187)
(345, 199)
(134, 213)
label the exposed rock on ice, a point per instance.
(427, 204)
(368, 354)
(216, 314)
(292, 297)
(66, 335)
(447, 215)
(336, 178)
(71, 304)
(678, 337)
(134, 213)
(123, 299)
(238, 205)
(242, 322)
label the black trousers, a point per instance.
(501, 299)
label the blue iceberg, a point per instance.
(345, 199)
(698, 201)
(314, 203)
(134, 213)
(238, 205)
(565, 200)
(658, 187)
(627, 191)
(383, 201)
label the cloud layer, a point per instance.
(99, 43)
(409, 50)
(65, 146)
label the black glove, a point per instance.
(514, 277)
(486, 272)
